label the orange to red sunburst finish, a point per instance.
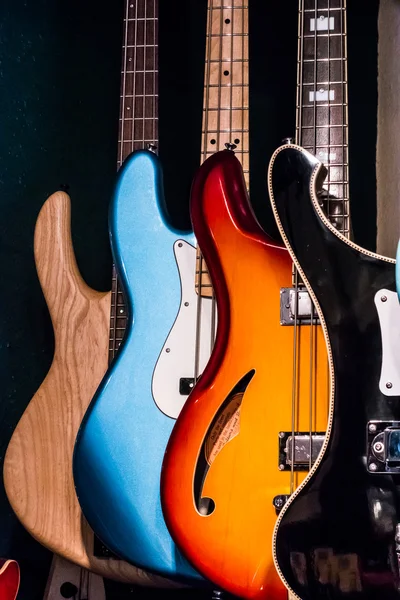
(218, 450)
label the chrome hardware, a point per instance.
(383, 298)
(288, 140)
(288, 307)
(389, 385)
(151, 147)
(230, 146)
(303, 450)
(383, 447)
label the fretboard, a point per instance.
(322, 116)
(138, 122)
(226, 93)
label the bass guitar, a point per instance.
(254, 423)
(9, 579)
(38, 463)
(338, 536)
(169, 332)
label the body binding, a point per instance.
(122, 439)
(242, 396)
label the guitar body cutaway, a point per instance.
(122, 440)
(38, 463)
(221, 470)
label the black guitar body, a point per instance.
(335, 537)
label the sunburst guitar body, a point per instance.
(221, 470)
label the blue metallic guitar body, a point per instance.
(121, 442)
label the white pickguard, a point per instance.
(177, 358)
(89, 585)
(388, 307)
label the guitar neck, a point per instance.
(322, 115)
(226, 94)
(138, 120)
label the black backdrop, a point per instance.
(59, 95)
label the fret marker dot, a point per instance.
(130, 59)
(237, 141)
(121, 311)
(213, 141)
(227, 21)
(226, 73)
(128, 108)
(321, 91)
(322, 17)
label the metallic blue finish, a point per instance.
(122, 440)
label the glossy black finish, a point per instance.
(337, 537)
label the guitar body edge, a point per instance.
(225, 444)
(121, 443)
(38, 462)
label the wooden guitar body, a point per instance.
(338, 535)
(9, 579)
(224, 445)
(38, 463)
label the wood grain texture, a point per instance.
(38, 462)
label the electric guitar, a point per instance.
(339, 534)
(255, 421)
(9, 579)
(38, 463)
(169, 332)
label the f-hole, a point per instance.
(224, 427)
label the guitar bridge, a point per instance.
(303, 453)
(289, 305)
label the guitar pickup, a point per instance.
(304, 306)
(296, 452)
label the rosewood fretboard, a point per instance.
(322, 116)
(138, 122)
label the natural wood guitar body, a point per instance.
(38, 463)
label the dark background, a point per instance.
(59, 101)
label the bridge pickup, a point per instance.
(186, 385)
(300, 454)
(304, 307)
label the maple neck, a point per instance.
(226, 95)
(226, 80)
(138, 122)
(322, 115)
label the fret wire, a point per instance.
(117, 298)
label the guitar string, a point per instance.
(312, 355)
(295, 400)
(114, 283)
(144, 25)
(199, 255)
